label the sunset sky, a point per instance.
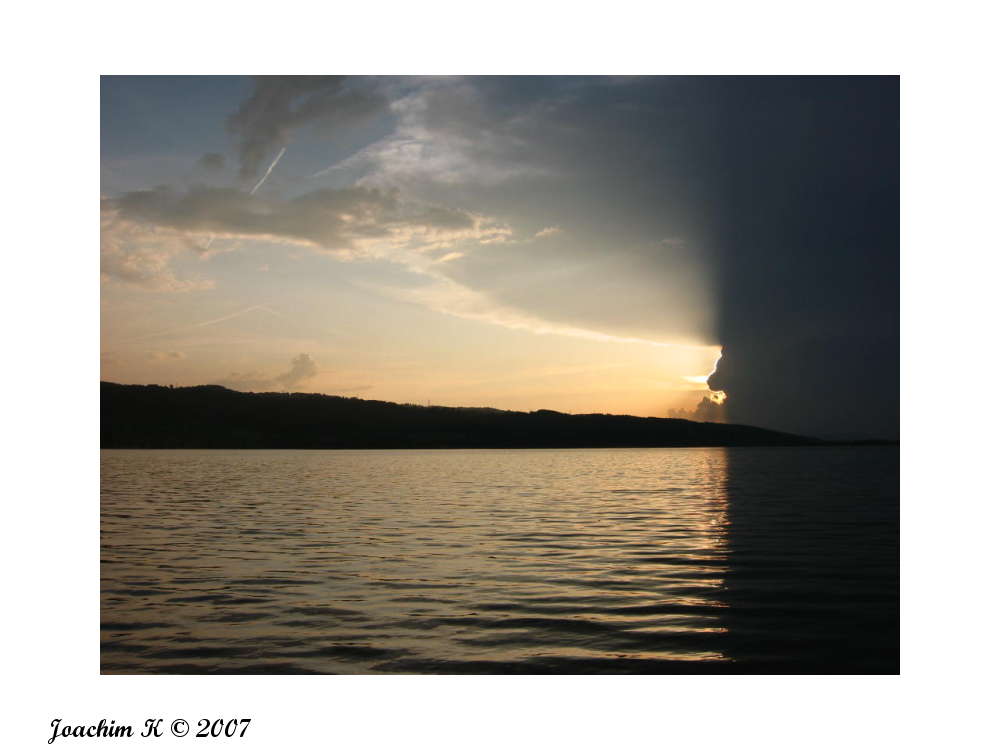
(586, 244)
(519, 243)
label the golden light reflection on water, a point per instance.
(359, 561)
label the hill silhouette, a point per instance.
(210, 416)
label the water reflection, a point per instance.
(813, 560)
(494, 561)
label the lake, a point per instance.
(693, 560)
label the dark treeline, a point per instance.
(210, 416)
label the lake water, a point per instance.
(702, 560)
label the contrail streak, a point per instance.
(205, 323)
(268, 172)
(235, 314)
(255, 188)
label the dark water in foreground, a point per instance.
(696, 560)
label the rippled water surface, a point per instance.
(539, 561)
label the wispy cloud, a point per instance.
(279, 105)
(446, 133)
(350, 222)
(451, 298)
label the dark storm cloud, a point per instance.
(837, 387)
(808, 254)
(785, 188)
(279, 104)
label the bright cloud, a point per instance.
(140, 253)
(302, 368)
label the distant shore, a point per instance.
(210, 416)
